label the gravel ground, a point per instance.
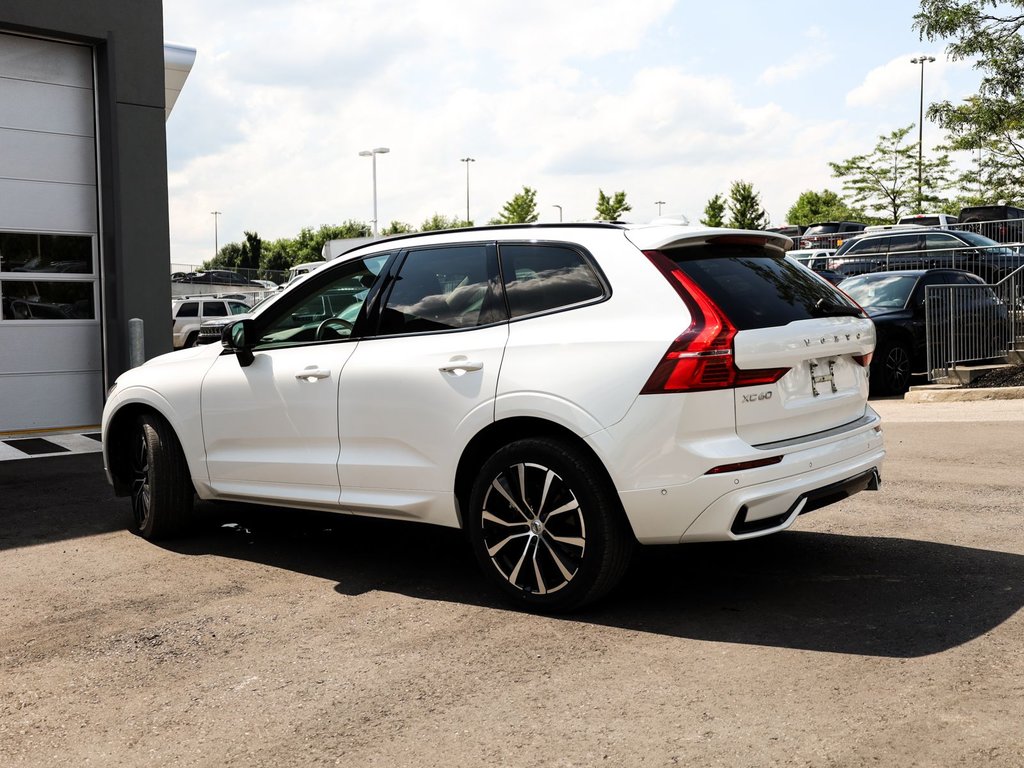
(885, 630)
(1011, 376)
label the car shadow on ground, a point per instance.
(814, 591)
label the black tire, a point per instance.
(161, 490)
(890, 369)
(192, 340)
(547, 527)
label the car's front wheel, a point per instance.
(161, 489)
(546, 525)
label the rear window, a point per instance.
(822, 229)
(755, 289)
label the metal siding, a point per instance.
(50, 371)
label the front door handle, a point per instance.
(312, 373)
(461, 366)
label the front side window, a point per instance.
(237, 309)
(540, 278)
(443, 289)
(324, 310)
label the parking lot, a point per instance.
(885, 630)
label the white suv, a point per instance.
(558, 391)
(190, 312)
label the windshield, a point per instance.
(879, 291)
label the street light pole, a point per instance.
(372, 154)
(559, 212)
(920, 130)
(216, 244)
(467, 161)
(659, 203)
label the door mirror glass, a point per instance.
(238, 336)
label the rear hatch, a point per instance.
(798, 349)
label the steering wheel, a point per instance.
(333, 326)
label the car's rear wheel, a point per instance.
(546, 525)
(890, 369)
(161, 490)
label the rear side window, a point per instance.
(189, 309)
(755, 289)
(540, 278)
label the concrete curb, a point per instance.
(941, 394)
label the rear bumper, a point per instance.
(760, 501)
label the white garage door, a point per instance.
(50, 334)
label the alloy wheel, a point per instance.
(897, 369)
(141, 490)
(533, 528)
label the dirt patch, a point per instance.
(1011, 376)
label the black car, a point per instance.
(895, 301)
(927, 248)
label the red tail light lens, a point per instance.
(864, 360)
(702, 357)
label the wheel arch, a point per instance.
(503, 432)
(117, 434)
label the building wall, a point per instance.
(133, 247)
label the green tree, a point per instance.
(611, 208)
(714, 212)
(274, 257)
(990, 34)
(745, 211)
(252, 250)
(995, 175)
(826, 205)
(397, 228)
(521, 209)
(885, 181)
(440, 221)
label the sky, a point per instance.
(667, 100)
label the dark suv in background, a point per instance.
(927, 249)
(829, 234)
(1003, 223)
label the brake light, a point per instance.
(701, 358)
(864, 360)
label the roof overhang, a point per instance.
(178, 61)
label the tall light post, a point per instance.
(659, 203)
(467, 161)
(922, 60)
(559, 212)
(216, 244)
(372, 153)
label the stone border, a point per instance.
(940, 393)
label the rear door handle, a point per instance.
(459, 367)
(312, 373)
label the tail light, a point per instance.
(864, 360)
(701, 358)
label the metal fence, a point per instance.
(248, 284)
(940, 251)
(967, 324)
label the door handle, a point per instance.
(312, 373)
(459, 367)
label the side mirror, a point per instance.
(239, 337)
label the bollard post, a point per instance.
(136, 343)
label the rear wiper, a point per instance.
(825, 308)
